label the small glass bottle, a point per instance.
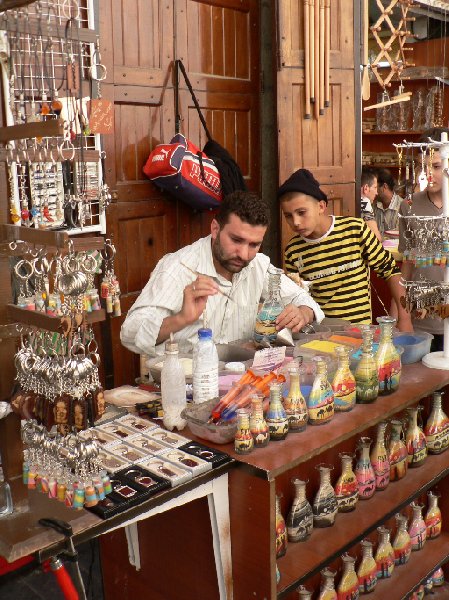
(295, 404)
(257, 424)
(6, 504)
(348, 587)
(384, 554)
(276, 418)
(438, 577)
(415, 439)
(367, 571)
(325, 505)
(397, 451)
(417, 529)
(379, 458)
(388, 358)
(173, 388)
(366, 479)
(366, 380)
(346, 489)
(436, 429)
(402, 544)
(281, 530)
(265, 327)
(343, 384)
(300, 517)
(303, 593)
(243, 441)
(433, 517)
(327, 589)
(321, 399)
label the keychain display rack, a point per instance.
(423, 293)
(51, 72)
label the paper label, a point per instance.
(269, 359)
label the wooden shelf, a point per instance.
(48, 238)
(303, 560)
(50, 128)
(398, 132)
(41, 27)
(48, 322)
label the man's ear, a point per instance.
(214, 228)
(364, 189)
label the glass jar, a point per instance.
(366, 381)
(433, 517)
(366, 479)
(325, 505)
(402, 544)
(417, 529)
(379, 458)
(295, 404)
(243, 441)
(348, 587)
(327, 588)
(367, 571)
(343, 384)
(257, 424)
(397, 451)
(281, 530)
(436, 429)
(346, 489)
(300, 517)
(265, 328)
(303, 593)
(388, 358)
(384, 554)
(276, 418)
(415, 439)
(321, 400)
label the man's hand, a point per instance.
(195, 298)
(405, 325)
(294, 317)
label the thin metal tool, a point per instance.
(197, 274)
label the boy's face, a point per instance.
(304, 215)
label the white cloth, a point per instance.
(163, 296)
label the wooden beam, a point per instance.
(50, 128)
(48, 322)
(49, 238)
(41, 27)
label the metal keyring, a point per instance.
(24, 263)
(98, 67)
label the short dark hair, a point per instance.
(248, 206)
(385, 176)
(368, 176)
(434, 133)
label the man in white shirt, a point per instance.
(386, 208)
(223, 276)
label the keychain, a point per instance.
(422, 178)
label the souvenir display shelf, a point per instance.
(268, 471)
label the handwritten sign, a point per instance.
(269, 358)
(101, 116)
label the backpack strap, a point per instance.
(180, 67)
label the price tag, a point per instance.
(269, 359)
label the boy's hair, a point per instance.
(385, 176)
(368, 176)
(248, 206)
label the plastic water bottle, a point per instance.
(205, 368)
(173, 387)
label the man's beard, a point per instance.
(230, 263)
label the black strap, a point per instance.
(180, 66)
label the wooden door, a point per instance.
(218, 43)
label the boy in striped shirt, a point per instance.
(334, 254)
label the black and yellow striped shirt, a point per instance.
(337, 266)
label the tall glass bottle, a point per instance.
(281, 530)
(173, 388)
(346, 489)
(436, 429)
(379, 458)
(417, 529)
(321, 400)
(364, 472)
(243, 441)
(343, 384)
(366, 380)
(348, 587)
(276, 418)
(367, 571)
(402, 544)
(415, 439)
(327, 589)
(295, 404)
(325, 505)
(384, 554)
(397, 451)
(388, 358)
(300, 517)
(433, 517)
(257, 424)
(265, 327)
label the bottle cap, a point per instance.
(204, 333)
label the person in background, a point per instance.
(426, 203)
(334, 253)
(222, 275)
(386, 207)
(368, 193)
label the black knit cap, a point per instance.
(303, 182)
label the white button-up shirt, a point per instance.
(229, 319)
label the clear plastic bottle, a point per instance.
(205, 368)
(173, 388)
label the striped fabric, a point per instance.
(337, 264)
